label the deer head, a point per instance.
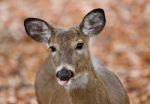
(69, 47)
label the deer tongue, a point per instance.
(63, 83)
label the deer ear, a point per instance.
(38, 29)
(93, 22)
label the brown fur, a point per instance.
(96, 92)
(92, 83)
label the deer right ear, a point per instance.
(38, 29)
(93, 22)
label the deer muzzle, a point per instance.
(64, 75)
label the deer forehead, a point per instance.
(68, 37)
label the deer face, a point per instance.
(69, 47)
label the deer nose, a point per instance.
(64, 74)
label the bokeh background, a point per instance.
(123, 46)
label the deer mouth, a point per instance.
(62, 82)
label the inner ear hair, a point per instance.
(38, 29)
(93, 22)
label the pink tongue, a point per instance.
(62, 82)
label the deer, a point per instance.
(71, 74)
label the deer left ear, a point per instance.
(39, 30)
(93, 22)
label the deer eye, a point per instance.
(53, 49)
(79, 46)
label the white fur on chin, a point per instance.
(79, 81)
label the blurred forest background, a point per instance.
(123, 46)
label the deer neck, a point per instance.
(88, 88)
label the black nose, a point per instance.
(64, 74)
